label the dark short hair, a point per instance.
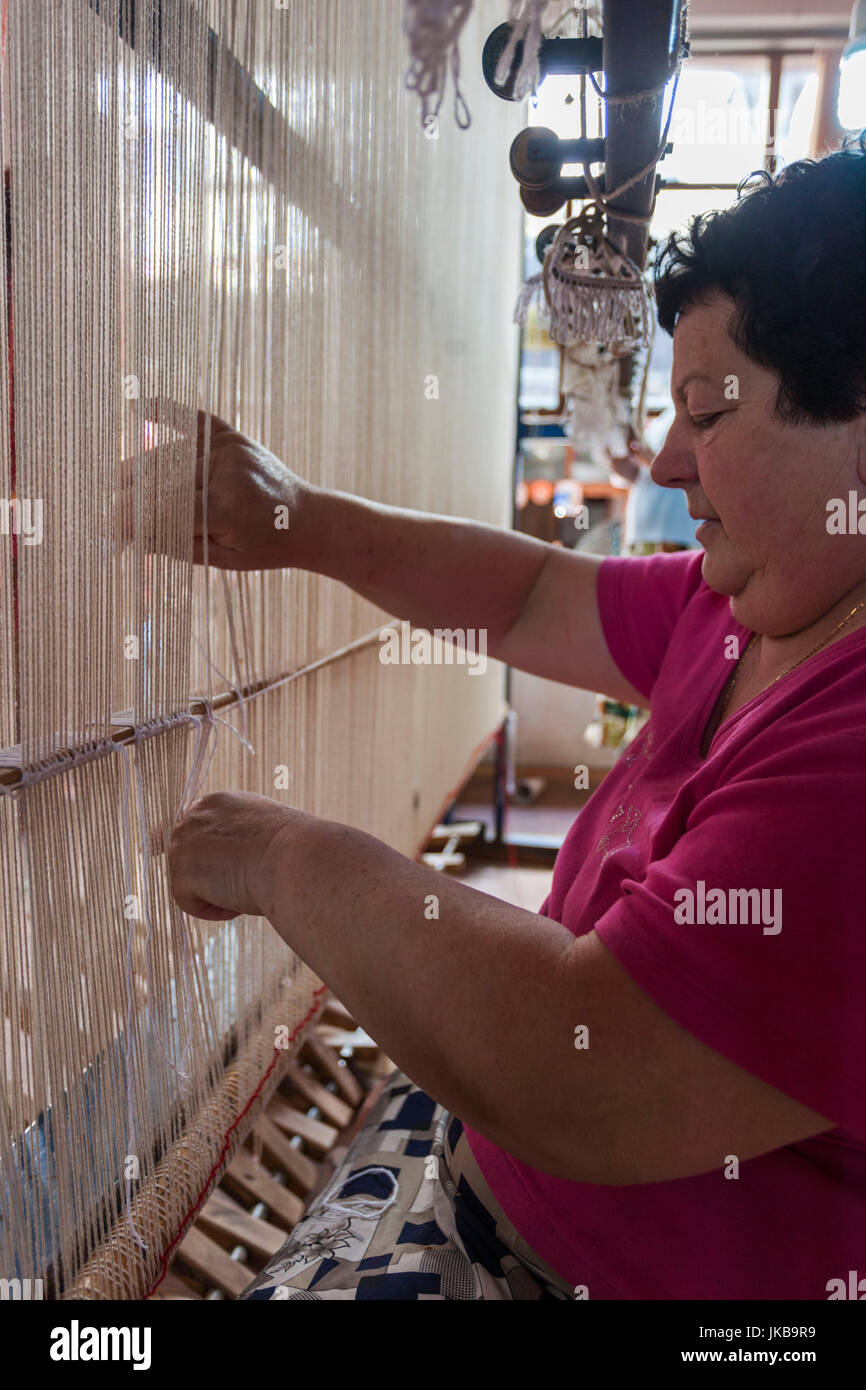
(791, 254)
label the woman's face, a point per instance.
(763, 484)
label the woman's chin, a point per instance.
(707, 532)
(720, 571)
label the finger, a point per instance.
(199, 907)
(122, 514)
(165, 411)
(148, 488)
(123, 495)
(124, 474)
(149, 464)
(217, 556)
(200, 454)
(217, 424)
(207, 440)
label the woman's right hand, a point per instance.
(257, 511)
(254, 503)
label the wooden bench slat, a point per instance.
(327, 1061)
(359, 1041)
(210, 1262)
(334, 1111)
(173, 1289)
(336, 1013)
(226, 1221)
(300, 1170)
(248, 1177)
(319, 1137)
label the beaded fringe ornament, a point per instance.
(433, 28)
(590, 291)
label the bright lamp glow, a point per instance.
(852, 74)
(852, 87)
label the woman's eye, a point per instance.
(704, 421)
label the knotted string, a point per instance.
(433, 28)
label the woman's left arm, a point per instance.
(536, 1038)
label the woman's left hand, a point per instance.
(220, 853)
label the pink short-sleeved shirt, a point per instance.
(779, 987)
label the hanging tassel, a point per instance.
(589, 290)
(433, 28)
(594, 292)
(525, 19)
(596, 313)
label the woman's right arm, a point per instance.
(536, 602)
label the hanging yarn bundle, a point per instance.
(590, 290)
(590, 385)
(587, 373)
(525, 18)
(433, 28)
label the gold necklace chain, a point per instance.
(732, 684)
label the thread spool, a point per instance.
(528, 790)
(545, 239)
(546, 201)
(538, 154)
(568, 56)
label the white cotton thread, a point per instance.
(365, 1208)
(131, 1116)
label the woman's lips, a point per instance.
(705, 529)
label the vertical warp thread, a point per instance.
(251, 223)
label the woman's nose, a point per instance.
(673, 464)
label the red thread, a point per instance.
(224, 1150)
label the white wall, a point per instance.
(551, 719)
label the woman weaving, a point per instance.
(655, 1088)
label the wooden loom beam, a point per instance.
(219, 1115)
(128, 733)
(230, 1242)
(637, 49)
